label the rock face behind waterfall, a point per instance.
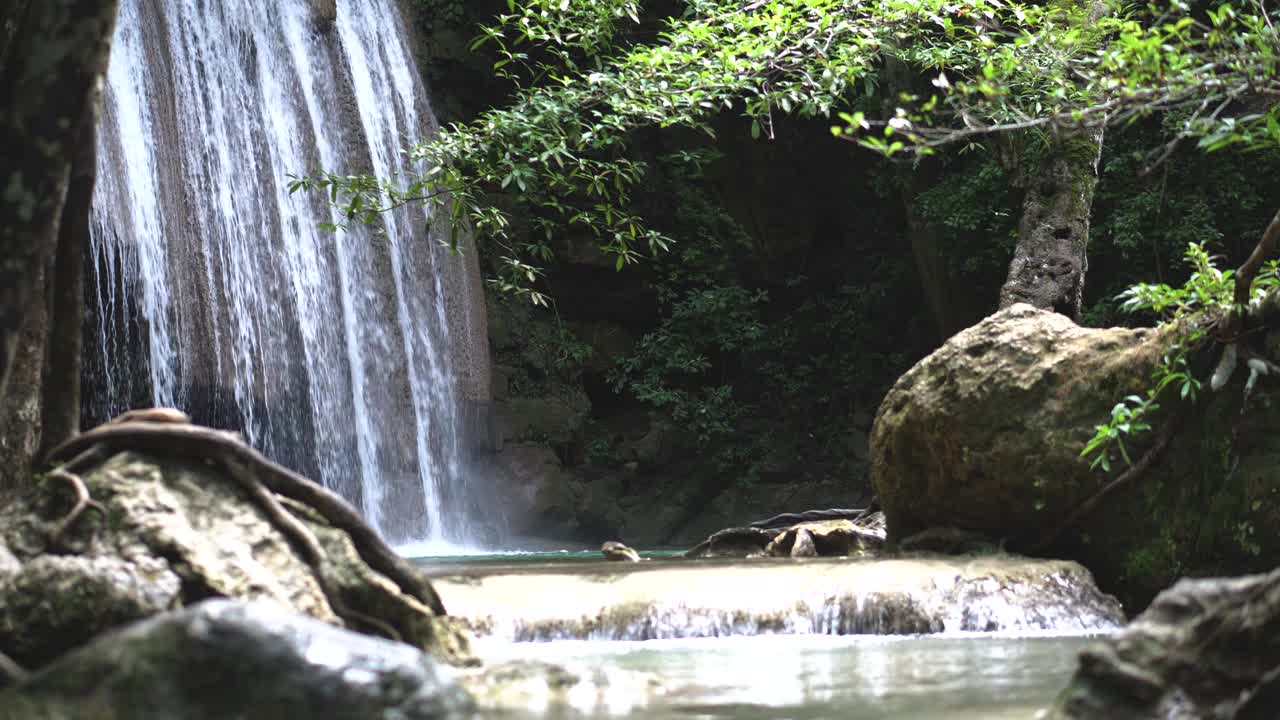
(174, 532)
(985, 435)
(359, 358)
(1204, 649)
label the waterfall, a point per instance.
(347, 356)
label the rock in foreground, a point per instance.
(678, 599)
(1204, 649)
(250, 661)
(173, 530)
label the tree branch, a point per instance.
(1123, 479)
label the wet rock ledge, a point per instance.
(710, 598)
(1206, 648)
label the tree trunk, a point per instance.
(20, 418)
(55, 55)
(1049, 262)
(924, 237)
(60, 417)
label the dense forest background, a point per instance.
(757, 349)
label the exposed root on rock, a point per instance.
(83, 502)
(312, 553)
(260, 478)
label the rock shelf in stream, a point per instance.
(666, 600)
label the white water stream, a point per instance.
(218, 292)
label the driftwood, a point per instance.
(789, 519)
(743, 536)
(258, 475)
(763, 532)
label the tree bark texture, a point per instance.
(58, 51)
(20, 417)
(925, 238)
(53, 54)
(1050, 261)
(60, 416)
(923, 235)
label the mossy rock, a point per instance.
(986, 434)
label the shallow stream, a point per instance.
(815, 676)
(952, 676)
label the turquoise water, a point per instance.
(528, 558)
(949, 677)
(854, 678)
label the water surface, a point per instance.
(958, 677)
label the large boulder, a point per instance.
(172, 531)
(1204, 649)
(224, 659)
(985, 435)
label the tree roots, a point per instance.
(261, 480)
(228, 450)
(313, 554)
(83, 502)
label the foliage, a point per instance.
(1142, 222)
(560, 153)
(558, 348)
(1068, 64)
(1208, 288)
(562, 158)
(435, 14)
(974, 203)
(790, 344)
(1208, 292)
(673, 368)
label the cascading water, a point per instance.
(217, 291)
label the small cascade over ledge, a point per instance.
(357, 358)
(680, 598)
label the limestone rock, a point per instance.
(985, 435)
(226, 659)
(176, 531)
(734, 542)
(949, 541)
(828, 538)
(597, 510)
(803, 544)
(516, 686)
(1204, 649)
(616, 552)
(554, 419)
(324, 13)
(994, 421)
(57, 602)
(9, 564)
(681, 599)
(531, 491)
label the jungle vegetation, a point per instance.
(628, 125)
